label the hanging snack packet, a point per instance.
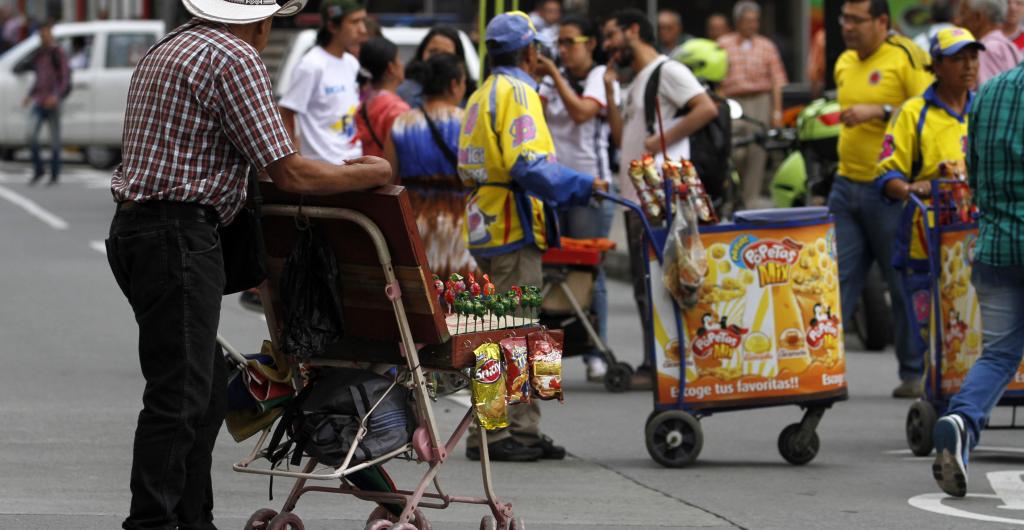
(517, 369)
(489, 388)
(546, 363)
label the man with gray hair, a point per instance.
(984, 18)
(755, 80)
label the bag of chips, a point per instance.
(489, 388)
(546, 363)
(517, 369)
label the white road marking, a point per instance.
(1009, 486)
(32, 208)
(98, 246)
(980, 448)
(932, 502)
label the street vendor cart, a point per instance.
(945, 316)
(392, 319)
(765, 329)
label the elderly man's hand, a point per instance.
(377, 170)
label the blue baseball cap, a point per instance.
(509, 32)
(949, 41)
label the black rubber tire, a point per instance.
(921, 420)
(259, 519)
(874, 317)
(794, 454)
(616, 379)
(674, 438)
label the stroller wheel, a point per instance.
(616, 379)
(488, 523)
(259, 519)
(921, 420)
(285, 521)
(517, 524)
(381, 518)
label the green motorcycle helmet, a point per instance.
(819, 121)
(706, 59)
(789, 184)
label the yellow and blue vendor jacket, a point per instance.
(923, 134)
(507, 157)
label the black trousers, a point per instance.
(638, 270)
(167, 260)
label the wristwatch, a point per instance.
(887, 110)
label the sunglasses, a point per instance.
(575, 40)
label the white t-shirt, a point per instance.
(678, 86)
(581, 146)
(325, 96)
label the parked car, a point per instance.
(103, 55)
(407, 40)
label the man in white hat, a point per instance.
(200, 114)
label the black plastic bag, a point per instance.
(311, 297)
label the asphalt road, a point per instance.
(70, 390)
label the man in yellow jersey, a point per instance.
(927, 132)
(876, 74)
(507, 156)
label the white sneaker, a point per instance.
(596, 368)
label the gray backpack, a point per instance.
(323, 420)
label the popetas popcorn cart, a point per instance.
(766, 330)
(945, 309)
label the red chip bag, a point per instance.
(546, 363)
(517, 369)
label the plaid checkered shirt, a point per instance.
(200, 112)
(752, 70)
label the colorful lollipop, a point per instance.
(488, 286)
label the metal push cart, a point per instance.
(684, 394)
(392, 319)
(569, 277)
(946, 310)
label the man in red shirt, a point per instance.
(200, 114)
(53, 78)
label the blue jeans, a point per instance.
(51, 117)
(585, 222)
(866, 228)
(1001, 300)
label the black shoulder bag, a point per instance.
(446, 150)
(245, 257)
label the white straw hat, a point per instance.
(242, 11)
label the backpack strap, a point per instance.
(446, 150)
(369, 126)
(650, 97)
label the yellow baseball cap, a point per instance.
(949, 41)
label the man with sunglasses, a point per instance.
(876, 74)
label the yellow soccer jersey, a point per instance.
(922, 135)
(893, 74)
(507, 156)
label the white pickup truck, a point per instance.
(104, 55)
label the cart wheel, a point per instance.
(488, 523)
(616, 379)
(259, 519)
(921, 420)
(378, 524)
(794, 453)
(285, 521)
(402, 526)
(674, 438)
(517, 524)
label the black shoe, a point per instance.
(507, 450)
(251, 300)
(35, 179)
(551, 451)
(53, 182)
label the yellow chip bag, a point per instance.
(489, 388)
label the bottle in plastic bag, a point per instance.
(685, 261)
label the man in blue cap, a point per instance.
(507, 156)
